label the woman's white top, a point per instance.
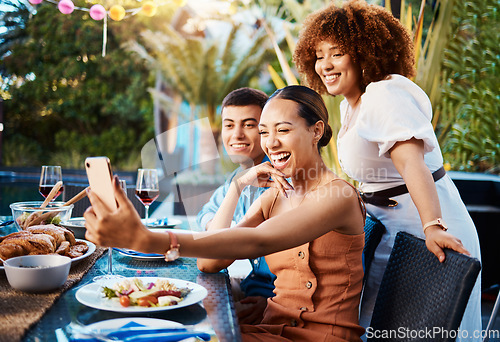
(389, 111)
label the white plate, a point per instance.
(123, 251)
(89, 252)
(91, 295)
(147, 322)
(77, 259)
(162, 223)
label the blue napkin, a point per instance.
(163, 223)
(159, 222)
(135, 253)
(153, 334)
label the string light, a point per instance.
(97, 12)
(66, 6)
(115, 12)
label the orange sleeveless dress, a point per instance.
(318, 290)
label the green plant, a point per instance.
(430, 55)
(13, 19)
(59, 86)
(21, 151)
(470, 105)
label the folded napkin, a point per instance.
(133, 331)
(159, 222)
(135, 253)
(162, 223)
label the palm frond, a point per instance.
(285, 67)
(228, 56)
(277, 80)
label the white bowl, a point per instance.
(76, 225)
(37, 273)
(20, 210)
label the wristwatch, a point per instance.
(173, 253)
(437, 222)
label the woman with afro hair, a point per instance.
(386, 141)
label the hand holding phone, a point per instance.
(100, 179)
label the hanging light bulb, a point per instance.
(66, 6)
(116, 12)
(149, 8)
(97, 12)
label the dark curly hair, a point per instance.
(371, 35)
(311, 108)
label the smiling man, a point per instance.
(240, 113)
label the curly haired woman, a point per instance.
(386, 140)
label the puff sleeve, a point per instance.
(396, 110)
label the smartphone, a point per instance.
(100, 179)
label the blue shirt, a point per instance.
(260, 281)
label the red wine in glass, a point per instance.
(50, 175)
(147, 189)
(147, 196)
(45, 190)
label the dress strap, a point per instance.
(361, 202)
(271, 207)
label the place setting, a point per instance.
(138, 296)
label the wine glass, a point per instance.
(51, 174)
(147, 189)
(110, 275)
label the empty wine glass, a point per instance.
(51, 174)
(147, 189)
(110, 275)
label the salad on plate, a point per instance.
(134, 292)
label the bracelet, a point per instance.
(437, 222)
(173, 253)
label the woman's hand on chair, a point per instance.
(437, 239)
